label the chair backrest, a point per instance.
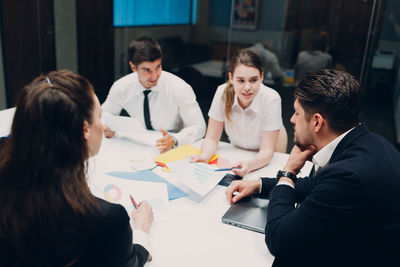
(281, 145)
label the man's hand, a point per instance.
(245, 188)
(298, 158)
(108, 132)
(242, 170)
(166, 142)
(143, 217)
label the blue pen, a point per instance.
(226, 169)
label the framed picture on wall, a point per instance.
(245, 14)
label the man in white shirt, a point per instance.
(158, 99)
(349, 214)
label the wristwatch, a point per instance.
(175, 141)
(286, 174)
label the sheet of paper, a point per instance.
(142, 165)
(148, 138)
(6, 118)
(122, 123)
(131, 128)
(177, 154)
(198, 177)
(174, 192)
(117, 190)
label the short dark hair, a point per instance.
(144, 49)
(336, 95)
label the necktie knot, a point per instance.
(146, 92)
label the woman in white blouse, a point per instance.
(249, 110)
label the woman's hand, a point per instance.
(199, 158)
(241, 169)
(143, 216)
(108, 132)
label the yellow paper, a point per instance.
(177, 154)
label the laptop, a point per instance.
(249, 213)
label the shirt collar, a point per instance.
(254, 106)
(322, 157)
(142, 88)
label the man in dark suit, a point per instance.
(349, 212)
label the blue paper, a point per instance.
(149, 176)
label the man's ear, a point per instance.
(318, 121)
(133, 67)
(86, 130)
(230, 76)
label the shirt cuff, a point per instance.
(143, 239)
(176, 142)
(259, 190)
(285, 183)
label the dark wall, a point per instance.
(270, 17)
(96, 44)
(28, 43)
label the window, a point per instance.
(154, 12)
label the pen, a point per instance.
(226, 169)
(133, 201)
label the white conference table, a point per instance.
(192, 233)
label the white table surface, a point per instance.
(192, 233)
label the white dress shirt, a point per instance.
(322, 157)
(172, 103)
(247, 125)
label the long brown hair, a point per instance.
(43, 173)
(241, 57)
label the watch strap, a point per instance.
(286, 174)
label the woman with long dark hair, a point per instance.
(48, 216)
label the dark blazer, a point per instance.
(349, 213)
(110, 240)
(102, 239)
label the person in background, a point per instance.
(158, 99)
(348, 213)
(313, 60)
(270, 62)
(249, 110)
(48, 215)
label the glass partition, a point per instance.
(292, 38)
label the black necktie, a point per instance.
(146, 110)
